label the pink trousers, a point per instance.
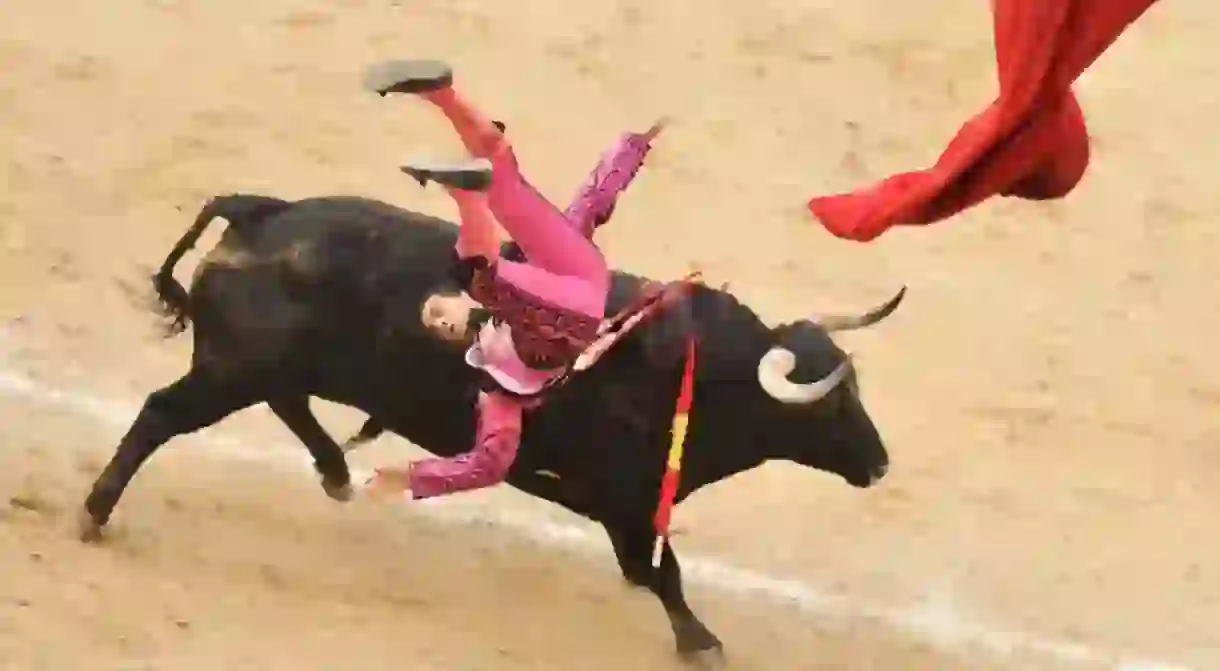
(563, 266)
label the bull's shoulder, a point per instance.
(730, 334)
(709, 307)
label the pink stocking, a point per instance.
(477, 233)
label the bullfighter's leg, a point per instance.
(584, 291)
(433, 81)
(467, 184)
(633, 549)
(497, 438)
(595, 199)
(543, 233)
(328, 458)
(195, 401)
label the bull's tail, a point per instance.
(239, 210)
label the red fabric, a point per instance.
(1031, 142)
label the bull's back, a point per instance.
(361, 255)
(336, 237)
(337, 248)
(350, 234)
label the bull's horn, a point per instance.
(777, 364)
(849, 322)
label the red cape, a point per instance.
(1030, 143)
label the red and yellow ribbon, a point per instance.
(673, 468)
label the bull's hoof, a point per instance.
(341, 493)
(88, 529)
(707, 660)
(700, 647)
(636, 582)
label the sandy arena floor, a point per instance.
(1047, 390)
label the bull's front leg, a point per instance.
(369, 431)
(633, 549)
(328, 459)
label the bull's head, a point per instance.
(824, 424)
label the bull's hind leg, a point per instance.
(328, 458)
(197, 400)
(633, 550)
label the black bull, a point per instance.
(321, 297)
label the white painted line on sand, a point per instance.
(938, 624)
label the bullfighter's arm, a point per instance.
(595, 199)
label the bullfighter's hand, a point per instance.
(387, 484)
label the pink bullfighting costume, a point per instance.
(544, 312)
